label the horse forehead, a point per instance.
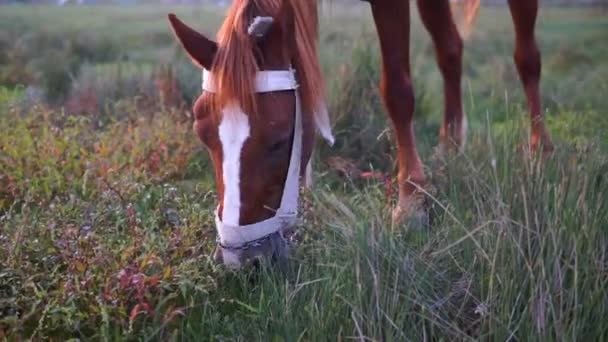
(276, 108)
(234, 125)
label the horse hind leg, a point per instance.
(437, 19)
(528, 62)
(392, 23)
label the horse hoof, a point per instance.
(271, 251)
(540, 140)
(545, 150)
(413, 216)
(439, 157)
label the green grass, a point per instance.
(106, 217)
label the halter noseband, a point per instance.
(237, 236)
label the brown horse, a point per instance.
(263, 97)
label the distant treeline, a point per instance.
(573, 3)
(601, 3)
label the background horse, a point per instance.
(251, 134)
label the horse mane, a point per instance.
(235, 65)
(306, 60)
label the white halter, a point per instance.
(235, 236)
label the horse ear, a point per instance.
(260, 25)
(199, 48)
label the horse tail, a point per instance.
(466, 12)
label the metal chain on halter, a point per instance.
(290, 238)
(246, 246)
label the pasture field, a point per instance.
(107, 197)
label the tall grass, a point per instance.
(517, 250)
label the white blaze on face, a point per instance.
(233, 131)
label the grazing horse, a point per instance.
(263, 98)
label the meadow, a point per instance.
(107, 197)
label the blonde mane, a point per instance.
(235, 64)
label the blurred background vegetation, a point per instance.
(106, 195)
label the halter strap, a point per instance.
(265, 81)
(235, 236)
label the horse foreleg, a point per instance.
(437, 19)
(392, 19)
(527, 60)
